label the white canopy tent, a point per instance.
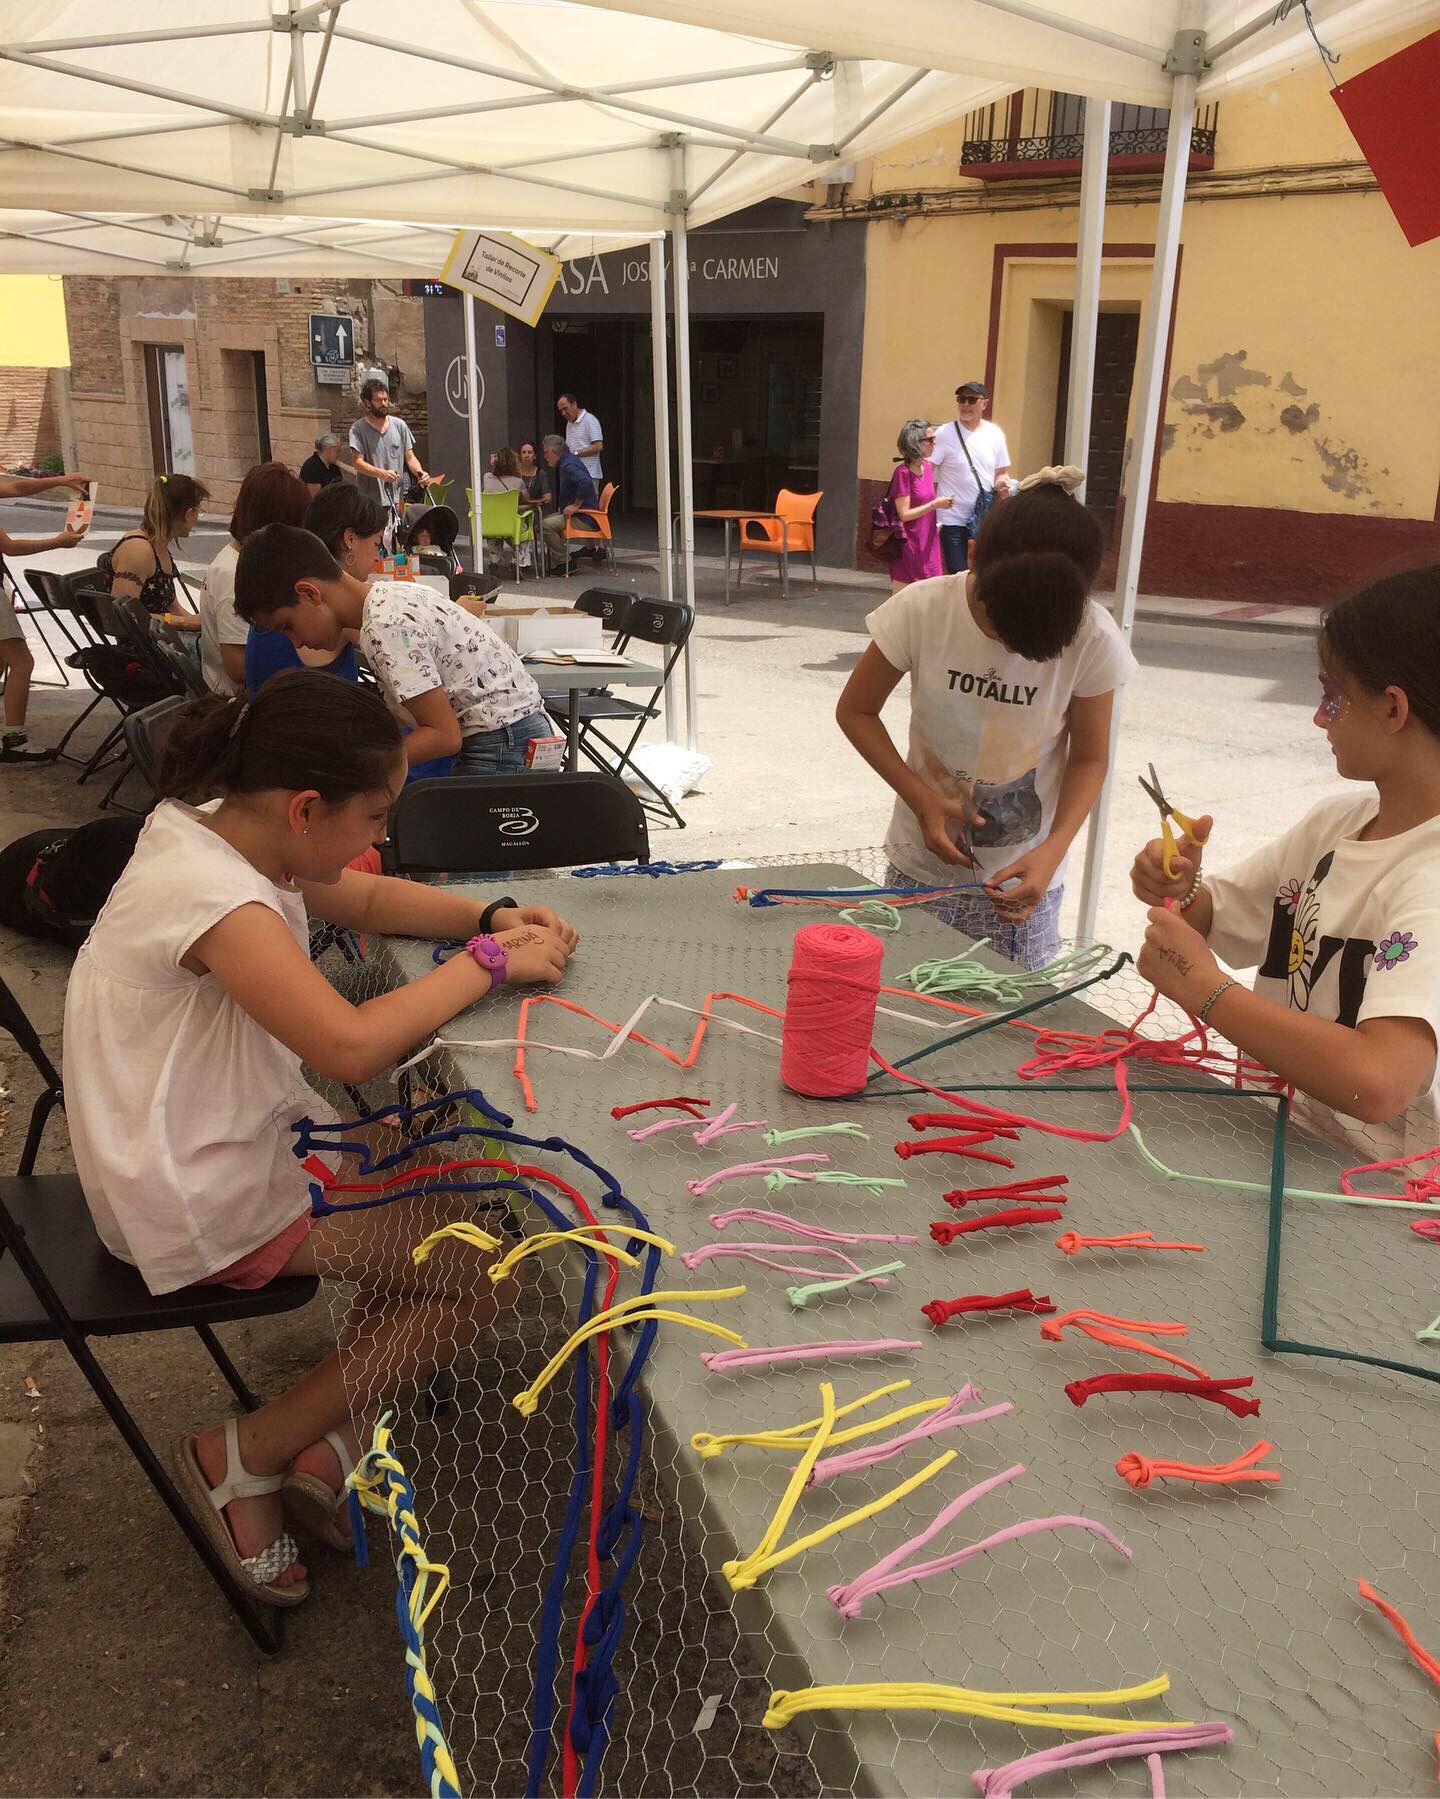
(308, 137)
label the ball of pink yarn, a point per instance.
(834, 984)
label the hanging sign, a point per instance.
(512, 275)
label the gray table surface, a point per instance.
(560, 677)
(1245, 1597)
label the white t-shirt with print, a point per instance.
(988, 451)
(582, 430)
(219, 622)
(987, 725)
(415, 642)
(1343, 930)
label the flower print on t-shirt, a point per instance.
(1395, 949)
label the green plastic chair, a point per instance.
(501, 520)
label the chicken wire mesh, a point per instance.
(1244, 1596)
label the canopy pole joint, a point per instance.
(1187, 55)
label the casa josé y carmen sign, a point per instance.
(510, 274)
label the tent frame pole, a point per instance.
(1149, 407)
(685, 497)
(1089, 260)
(660, 392)
(472, 420)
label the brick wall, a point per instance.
(224, 326)
(30, 411)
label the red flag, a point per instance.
(1392, 111)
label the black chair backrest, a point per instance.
(471, 824)
(146, 732)
(14, 1021)
(473, 587)
(58, 594)
(610, 606)
(135, 627)
(657, 621)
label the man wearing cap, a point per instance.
(972, 466)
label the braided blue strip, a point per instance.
(653, 869)
(623, 1525)
(773, 896)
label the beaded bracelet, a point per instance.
(1224, 987)
(1185, 904)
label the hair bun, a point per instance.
(1064, 475)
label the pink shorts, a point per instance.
(261, 1266)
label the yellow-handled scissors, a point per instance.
(1168, 859)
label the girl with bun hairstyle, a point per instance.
(1013, 670)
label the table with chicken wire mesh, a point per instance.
(1244, 1596)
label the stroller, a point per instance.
(431, 535)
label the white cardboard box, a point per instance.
(545, 629)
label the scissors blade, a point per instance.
(1155, 791)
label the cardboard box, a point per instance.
(545, 628)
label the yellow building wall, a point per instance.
(1305, 370)
(32, 323)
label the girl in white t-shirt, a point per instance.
(1013, 671)
(191, 1009)
(1342, 912)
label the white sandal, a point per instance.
(314, 1507)
(256, 1572)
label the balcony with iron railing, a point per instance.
(1037, 135)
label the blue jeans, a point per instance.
(1032, 943)
(955, 548)
(501, 752)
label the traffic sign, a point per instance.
(332, 339)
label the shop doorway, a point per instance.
(167, 394)
(1117, 341)
(755, 406)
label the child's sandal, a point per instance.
(313, 1506)
(256, 1573)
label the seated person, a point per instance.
(351, 527)
(269, 495)
(574, 491)
(1340, 912)
(534, 474)
(192, 1011)
(465, 690)
(436, 530)
(322, 469)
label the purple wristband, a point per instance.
(489, 955)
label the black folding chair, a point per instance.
(475, 824)
(59, 1284)
(145, 735)
(23, 606)
(612, 607)
(647, 621)
(54, 597)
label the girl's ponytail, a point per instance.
(201, 753)
(304, 729)
(169, 499)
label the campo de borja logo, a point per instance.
(515, 821)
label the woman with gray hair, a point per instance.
(912, 492)
(323, 468)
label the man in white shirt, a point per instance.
(583, 436)
(970, 457)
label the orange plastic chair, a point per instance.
(790, 527)
(598, 528)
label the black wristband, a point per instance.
(487, 917)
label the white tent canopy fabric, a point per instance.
(381, 131)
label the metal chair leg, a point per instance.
(227, 1368)
(265, 1631)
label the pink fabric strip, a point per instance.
(654, 1130)
(1160, 1739)
(718, 1360)
(946, 1418)
(701, 1188)
(848, 1599)
(1012, 1532)
(780, 1221)
(707, 1251)
(725, 1130)
(712, 1127)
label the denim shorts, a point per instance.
(1032, 943)
(502, 751)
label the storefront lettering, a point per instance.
(635, 271)
(577, 278)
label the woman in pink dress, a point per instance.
(912, 488)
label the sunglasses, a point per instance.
(970, 399)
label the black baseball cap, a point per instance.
(973, 387)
